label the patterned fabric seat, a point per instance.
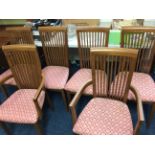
(55, 77)
(104, 116)
(20, 108)
(145, 85)
(78, 80)
(10, 81)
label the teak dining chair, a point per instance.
(24, 106)
(5, 38)
(16, 35)
(23, 35)
(143, 39)
(87, 37)
(107, 113)
(55, 47)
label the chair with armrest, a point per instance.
(15, 35)
(25, 105)
(143, 39)
(107, 113)
(55, 47)
(87, 37)
(5, 38)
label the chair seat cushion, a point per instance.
(78, 80)
(20, 108)
(10, 81)
(145, 85)
(55, 77)
(103, 116)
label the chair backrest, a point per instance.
(24, 64)
(23, 35)
(5, 38)
(90, 37)
(55, 45)
(143, 39)
(112, 70)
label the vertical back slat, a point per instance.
(112, 70)
(23, 35)
(92, 38)
(24, 64)
(143, 39)
(55, 45)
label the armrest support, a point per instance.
(40, 88)
(75, 100)
(35, 99)
(139, 109)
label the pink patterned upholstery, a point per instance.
(78, 80)
(20, 108)
(55, 77)
(104, 116)
(10, 81)
(145, 85)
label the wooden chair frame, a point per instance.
(150, 32)
(39, 85)
(16, 35)
(23, 35)
(5, 38)
(84, 53)
(56, 50)
(83, 35)
(61, 42)
(139, 32)
(104, 51)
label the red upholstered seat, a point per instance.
(145, 85)
(55, 77)
(78, 80)
(10, 81)
(20, 108)
(103, 116)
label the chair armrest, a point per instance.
(40, 88)
(75, 100)
(5, 79)
(139, 109)
(35, 99)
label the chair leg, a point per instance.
(4, 90)
(39, 128)
(151, 115)
(49, 101)
(68, 97)
(64, 99)
(5, 128)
